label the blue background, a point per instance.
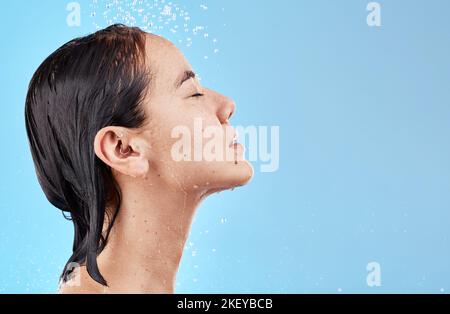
(364, 147)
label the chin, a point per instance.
(233, 174)
(244, 174)
(219, 176)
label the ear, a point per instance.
(122, 150)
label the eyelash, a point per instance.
(197, 95)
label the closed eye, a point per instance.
(197, 95)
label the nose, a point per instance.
(226, 109)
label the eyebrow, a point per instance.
(186, 75)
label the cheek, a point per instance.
(171, 119)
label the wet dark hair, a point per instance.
(87, 84)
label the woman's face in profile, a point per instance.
(176, 101)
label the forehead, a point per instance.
(165, 61)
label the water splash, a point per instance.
(165, 18)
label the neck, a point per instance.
(146, 242)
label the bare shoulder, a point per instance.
(80, 283)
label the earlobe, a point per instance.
(138, 157)
(140, 167)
